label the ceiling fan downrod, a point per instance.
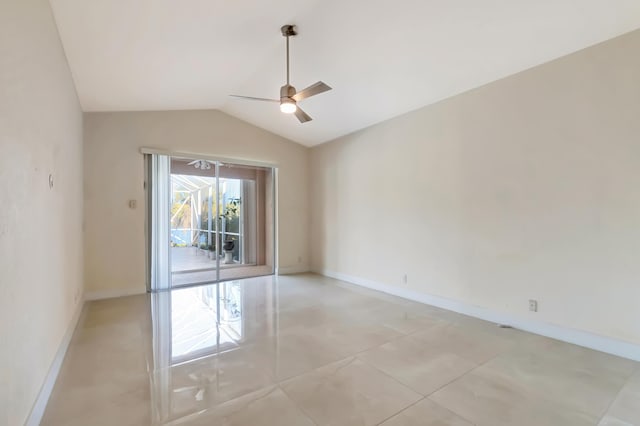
(288, 31)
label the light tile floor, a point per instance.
(308, 350)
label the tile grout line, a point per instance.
(353, 358)
(356, 355)
(456, 379)
(615, 398)
(427, 397)
(401, 411)
(423, 396)
(346, 357)
(296, 405)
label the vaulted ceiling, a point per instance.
(382, 58)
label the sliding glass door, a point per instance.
(218, 223)
(246, 221)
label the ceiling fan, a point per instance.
(289, 97)
(201, 164)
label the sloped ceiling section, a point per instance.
(382, 58)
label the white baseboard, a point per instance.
(35, 417)
(577, 337)
(37, 411)
(288, 270)
(110, 294)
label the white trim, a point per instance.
(160, 271)
(199, 156)
(39, 406)
(288, 270)
(275, 193)
(578, 337)
(110, 294)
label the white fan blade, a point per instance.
(251, 98)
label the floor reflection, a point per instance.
(304, 350)
(202, 346)
(204, 320)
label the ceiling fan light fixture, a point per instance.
(288, 106)
(289, 96)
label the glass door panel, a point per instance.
(221, 221)
(246, 198)
(193, 213)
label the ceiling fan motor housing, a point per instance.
(288, 30)
(287, 92)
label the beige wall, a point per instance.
(527, 188)
(40, 229)
(114, 238)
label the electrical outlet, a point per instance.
(404, 279)
(533, 305)
(299, 259)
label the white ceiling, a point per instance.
(381, 57)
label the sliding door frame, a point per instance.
(217, 160)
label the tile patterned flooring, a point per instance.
(308, 350)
